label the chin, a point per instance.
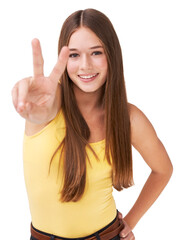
(87, 89)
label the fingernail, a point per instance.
(20, 106)
(123, 235)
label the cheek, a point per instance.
(72, 67)
(102, 64)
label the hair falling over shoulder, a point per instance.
(118, 131)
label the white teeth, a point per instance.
(89, 76)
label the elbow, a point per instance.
(170, 171)
(165, 173)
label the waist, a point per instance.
(72, 219)
(74, 222)
(110, 231)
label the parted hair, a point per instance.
(118, 151)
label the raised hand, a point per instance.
(34, 98)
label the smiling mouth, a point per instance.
(86, 77)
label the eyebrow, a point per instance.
(94, 47)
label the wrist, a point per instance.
(130, 221)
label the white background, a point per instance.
(149, 33)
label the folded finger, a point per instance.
(125, 232)
(23, 87)
(130, 236)
(14, 94)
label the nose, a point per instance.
(85, 63)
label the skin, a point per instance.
(37, 99)
(86, 57)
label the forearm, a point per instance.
(150, 192)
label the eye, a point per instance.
(73, 55)
(97, 53)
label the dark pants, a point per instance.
(52, 237)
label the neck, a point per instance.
(88, 102)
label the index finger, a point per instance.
(37, 58)
(60, 65)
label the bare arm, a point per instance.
(145, 141)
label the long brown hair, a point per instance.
(117, 120)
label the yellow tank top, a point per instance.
(96, 208)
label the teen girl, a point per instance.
(78, 137)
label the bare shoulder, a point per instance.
(146, 142)
(142, 130)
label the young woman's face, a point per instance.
(87, 64)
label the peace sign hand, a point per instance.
(34, 98)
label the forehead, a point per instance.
(84, 38)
